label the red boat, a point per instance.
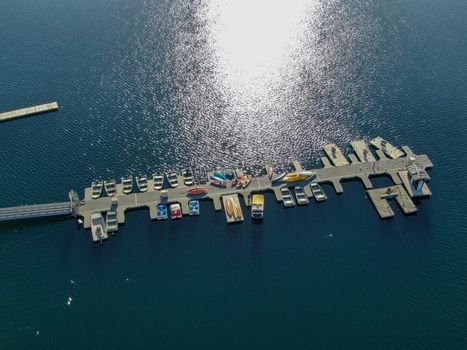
(237, 180)
(217, 183)
(197, 191)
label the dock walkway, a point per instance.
(360, 168)
(35, 211)
(330, 174)
(24, 112)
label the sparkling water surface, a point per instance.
(161, 85)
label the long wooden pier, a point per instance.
(35, 211)
(24, 112)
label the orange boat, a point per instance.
(229, 207)
(197, 190)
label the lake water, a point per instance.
(161, 85)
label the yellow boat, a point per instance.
(257, 206)
(294, 177)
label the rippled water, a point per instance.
(162, 85)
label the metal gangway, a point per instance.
(41, 210)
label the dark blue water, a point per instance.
(162, 85)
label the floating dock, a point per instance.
(24, 112)
(403, 170)
(390, 150)
(380, 196)
(335, 155)
(362, 151)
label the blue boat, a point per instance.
(220, 175)
(230, 175)
(216, 178)
(162, 213)
(193, 207)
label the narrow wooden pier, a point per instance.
(24, 112)
(35, 211)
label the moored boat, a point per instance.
(220, 175)
(127, 183)
(318, 192)
(142, 183)
(193, 207)
(187, 177)
(294, 177)
(257, 207)
(216, 178)
(111, 221)
(301, 196)
(217, 183)
(172, 177)
(98, 229)
(158, 180)
(229, 207)
(197, 191)
(247, 181)
(96, 189)
(287, 199)
(269, 171)
(175, 211)
(110, 188)
(230, 175)
(238, 179)
(161, 212)
(278, 177)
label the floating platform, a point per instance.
(380, 196)
(388, 149)
(232, 208)
(362, 151)
(25, 112)
(335, 155)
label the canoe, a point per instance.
(238, 179)
(220, 175)
(237, 211)
(216, 178)
(197, 190)
(269, 171)
(217, 183)
(229, 207)
(246, 182)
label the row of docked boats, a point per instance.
(220, 179)
(97, 187)
(162, 210)
(300, 195)
(110, 186)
